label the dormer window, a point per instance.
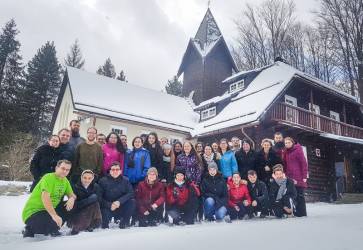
(208, 113)
(236, 86)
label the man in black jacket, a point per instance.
(282, 193)
(45, 159)
(259, 195)
(117, 198)
(246, 159)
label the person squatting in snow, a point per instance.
(93, 182)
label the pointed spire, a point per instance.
(208, 31)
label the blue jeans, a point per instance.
(210, 209)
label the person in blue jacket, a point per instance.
(138, 162)
(227, 163)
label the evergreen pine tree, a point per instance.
(174, 87)
(11, 73)
(41, 89)
(108, 69)
(74, 57)
(121, 76)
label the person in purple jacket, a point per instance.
(191, 162)
(296, 168)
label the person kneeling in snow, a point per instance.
(239, 199)
(44, 212)
(182, 199)
(259, 195)
(117, 198)
(215, 194)
(86, 214)
(150, 197)
(282, 193)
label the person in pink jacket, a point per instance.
(113, 150)
(296, 168)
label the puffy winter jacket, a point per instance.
(115, 189)
(44, 161)
(148, 194)
(258, 191)
(290, 190)
(216, 188)
(191, 165)
(245, 162)
(86, 196)
(237, 194)
(138, 163)
(111, 154)
(228, 164)
(180, 195)
(295, 164)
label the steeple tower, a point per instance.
(207, 61)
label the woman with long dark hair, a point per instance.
(266, 159)
(113, 150)
(209, 156)
(191, 162)
(138, 162)
(152, 144)
(177, 148)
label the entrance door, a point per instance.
(315, 119)
(292, 115)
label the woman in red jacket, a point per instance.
(296, 168)
(181, 199)
(150, 197)
(239, 199)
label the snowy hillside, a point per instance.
(327, 227)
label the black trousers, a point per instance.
(184, 214)
(123, 213)
(277, 207)
(262, 207)
(300, 202)
(240, 214)
(153, 217)
(42, 223)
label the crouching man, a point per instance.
(282, 193)
(44, 212)
(117, 197)
(86, 214)
(259, 195)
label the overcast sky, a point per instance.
(145, 38)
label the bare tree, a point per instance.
(344, 19)
(16, 156)
(263, 33)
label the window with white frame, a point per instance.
(208, 113)
(237, 86)
(120, 130)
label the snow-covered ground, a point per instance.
(327, 227)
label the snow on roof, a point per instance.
(215, 99)
(252, 102)
(103, 95)
(342, 138)
(241, 73)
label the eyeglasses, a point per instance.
(115, 169)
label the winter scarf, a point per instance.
(282, 189)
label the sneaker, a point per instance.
(246, 217)
(27, 233)
(227, 219)
(262, 216)
(55, 234)
(74, 232)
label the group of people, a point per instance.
(87, 183)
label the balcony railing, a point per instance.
(300, 117)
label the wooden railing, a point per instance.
(307, 119)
